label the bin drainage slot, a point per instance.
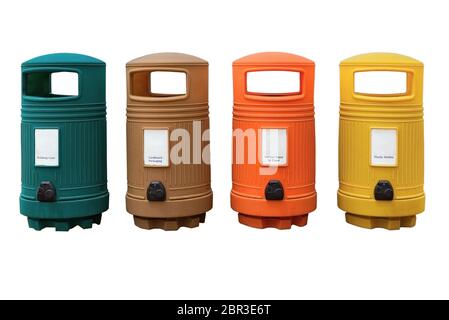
(383, 191)
(46, 192)
(274, 190)
(156, 191)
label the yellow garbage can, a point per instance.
(381, 142)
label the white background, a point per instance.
(223, 259)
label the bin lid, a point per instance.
(63, 59)
(381, 58)
(273, 58)
(167, 58)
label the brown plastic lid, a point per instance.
(167, 58)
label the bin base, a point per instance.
(169, 224)
(287, 208)
(273, 222)
(380, 222)
(64, 224)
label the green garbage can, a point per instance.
(64, 176)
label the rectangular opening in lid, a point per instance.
(51, 84)
(273, 83)
(381, 83)
(158, 84)
(168, 83)
(64, 84)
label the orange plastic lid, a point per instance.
(272, 59)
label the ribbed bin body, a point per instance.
(169, 182)
(381, 145)
(64, 174)
(278, 188)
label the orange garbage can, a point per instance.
(273, 170)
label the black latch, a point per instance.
(46, 192)
(156, 191)
(274, 190)
(383, 191)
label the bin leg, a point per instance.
(64, 224)
(169, 224)
(273, 222)
(379, 222)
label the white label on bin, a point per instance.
(46, 147)
(155, 147)
(383, 147)
(274, 147)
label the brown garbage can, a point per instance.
(168, 142)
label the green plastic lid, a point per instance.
(63, 59)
